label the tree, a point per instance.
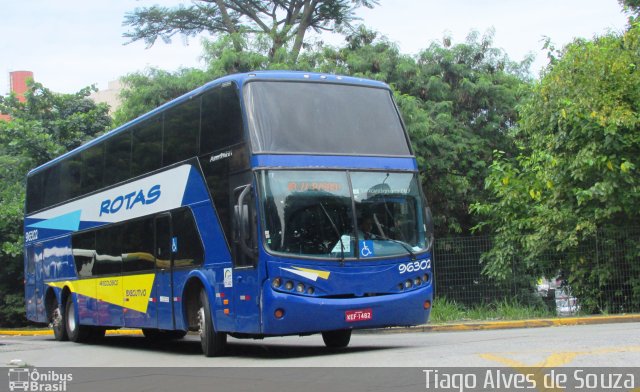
(632, 7)
(457, 102)
(44, 126)
(285, 22)
(469, 92)
(577, 173)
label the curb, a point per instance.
(530, 323)
(467, 326)
(45, 332)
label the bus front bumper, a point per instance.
(306, 314)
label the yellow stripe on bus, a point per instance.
(129, 291)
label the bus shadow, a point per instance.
(258, 349)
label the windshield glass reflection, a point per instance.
(311, 213)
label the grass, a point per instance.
(447, 311)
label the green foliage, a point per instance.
(44, 126)
(577, 170)
(147, 90)
(447, 311)
(631, 7)
(458, 102)
(469, 92)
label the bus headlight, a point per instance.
(300, 288)
(408, 283)
(288, 285)
(276, 283)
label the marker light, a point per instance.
(427, 304)
(299, 288)
(276, 283)
(288, 285)
(279, 313)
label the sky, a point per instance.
(71, 44)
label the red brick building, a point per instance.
(18, 85)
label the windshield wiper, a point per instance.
(403, 244)
(335, 228)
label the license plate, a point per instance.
(352, 316)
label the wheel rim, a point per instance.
(56, 319)
(71, 318)
(202, 326)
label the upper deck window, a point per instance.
(326, 118)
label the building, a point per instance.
(18, 85)
(110, 96)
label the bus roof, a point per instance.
(240, 79)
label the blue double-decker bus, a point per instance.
(260, 204)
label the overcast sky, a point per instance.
(70, 44)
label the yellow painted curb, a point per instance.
(44, 332)
(534, 323)
(530, 323)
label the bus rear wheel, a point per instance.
(337, 339)
(76, 332)
(58, 324)
(213, 343)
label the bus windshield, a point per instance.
(311, 213)
(327, 118)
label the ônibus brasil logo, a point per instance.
(31, 380)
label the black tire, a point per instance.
(337, 339)
(213, 343)
(157, 334)
(58, 323)
(76, 332)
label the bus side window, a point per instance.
(84, 253)
(109, 254)
(117, 158)
(186, 244)
(181, 131)
(146, 147)
(221, 119)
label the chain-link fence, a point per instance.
(602, 274)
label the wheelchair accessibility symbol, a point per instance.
(366, 248)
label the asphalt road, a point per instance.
(585, 345)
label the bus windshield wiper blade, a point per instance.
(335, 228)
(403, 244)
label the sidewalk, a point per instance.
(530, 323)
(460, 326)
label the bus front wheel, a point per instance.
(213, 343)
(337, 339)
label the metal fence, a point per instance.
(607, 279)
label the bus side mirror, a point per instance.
(243, 214)
(429, 228)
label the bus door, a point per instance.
(246, 282)
(164, 295)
